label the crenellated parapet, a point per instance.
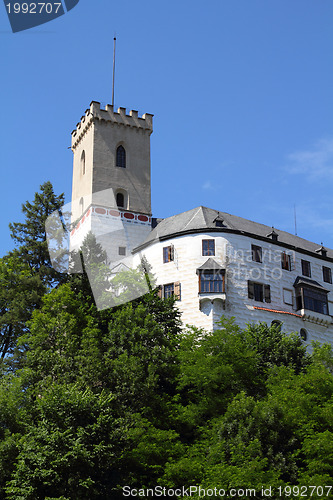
(115, 118)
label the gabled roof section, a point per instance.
(203, 219)
(210, 265)
(301, 281)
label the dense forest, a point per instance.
(125, 402)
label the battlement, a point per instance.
(108, 115)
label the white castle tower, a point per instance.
(111, 193)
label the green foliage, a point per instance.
(123, 396)
(30, 235)
(20, 294)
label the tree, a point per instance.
(30, 235)
(20, 294)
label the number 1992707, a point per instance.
(33, 8)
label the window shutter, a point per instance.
(172, 252)
(177, 291)
(250, 288)
(267, 291)
(159, 291)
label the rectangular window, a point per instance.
(327, 274)
(256, 253)
(168, 254)
(259, 291)
(306, 268)
(313, 300)
(211, 282)
(208, 247)
(122, 250)
(288, 296)
(286, 261)
(169, 290)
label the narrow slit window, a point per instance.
(83, 162)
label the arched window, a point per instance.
(303, 334)
(277, 324)
(120, 200)
(83, 162)
(121, 157)
(81, 206)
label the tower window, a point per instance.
(83, 162)
(81, 205)
(121, 157)
(120, 200)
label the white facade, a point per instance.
(233, 253)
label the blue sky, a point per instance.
(241, 92)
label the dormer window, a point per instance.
(322, 251)
(121, 157)
(218, 221)
(273, 234)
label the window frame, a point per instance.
(285, 261)
(256, 251)
(259, 292)
(168, 254)
(311, 299)
(306, 268)
(174, 290)
(216, 285)
(208, 252)
(121, 156)
(328, 272)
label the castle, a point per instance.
(213, 262)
